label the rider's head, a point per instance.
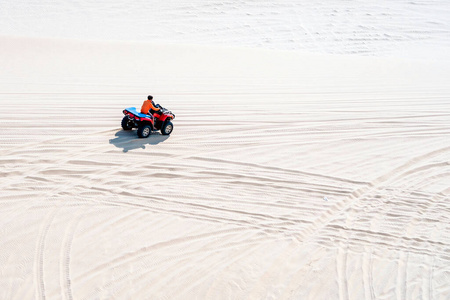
(150, 97)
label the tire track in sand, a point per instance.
(324, 220)
(66, 282)
(341, 270)
(131, 256)
(39, 257)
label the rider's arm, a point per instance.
(155, 107)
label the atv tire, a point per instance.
(167, 128)
(144, 131)
(126, 124)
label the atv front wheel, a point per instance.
(167, 128)
(144, 131)
(126, 124)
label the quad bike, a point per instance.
(145, 124)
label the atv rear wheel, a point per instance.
(144, 131)
(126, 124)
(167, 128)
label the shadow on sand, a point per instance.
(128, 140)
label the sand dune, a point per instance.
(288, 175)
(405, 28)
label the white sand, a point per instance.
(413, 28)
(288, 175)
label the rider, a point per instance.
(149, 107)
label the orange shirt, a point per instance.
(147, 106)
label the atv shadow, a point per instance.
(128, 140)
